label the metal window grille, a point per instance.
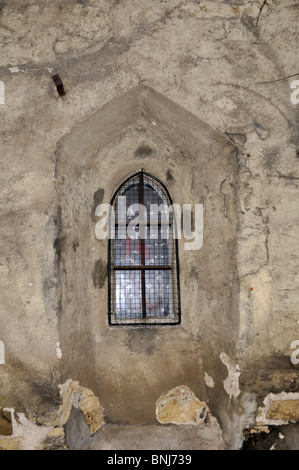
(143, 255)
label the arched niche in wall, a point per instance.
(129, 368)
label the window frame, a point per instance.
(142, 268)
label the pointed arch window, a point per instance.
(143, 254)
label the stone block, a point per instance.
(288, 410)
(12, 443)
(180, 406)
(5, 423)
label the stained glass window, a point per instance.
(143, 254)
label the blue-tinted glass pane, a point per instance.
(157, 293)
(128, 298)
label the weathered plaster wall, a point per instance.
(208, 58)
(130, 368)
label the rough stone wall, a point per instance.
(220, 61)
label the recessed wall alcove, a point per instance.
(129, 368)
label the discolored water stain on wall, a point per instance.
(142, 341)
(97, 199)
(143, 151)
(99, 274)
(169, 176)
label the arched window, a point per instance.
(143, 254)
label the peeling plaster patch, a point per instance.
(231, 383)
(73, 395)
(58, 350)
(32, 434)
(16, 70)
(259, 429)
(209, 380)
(279, 409)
